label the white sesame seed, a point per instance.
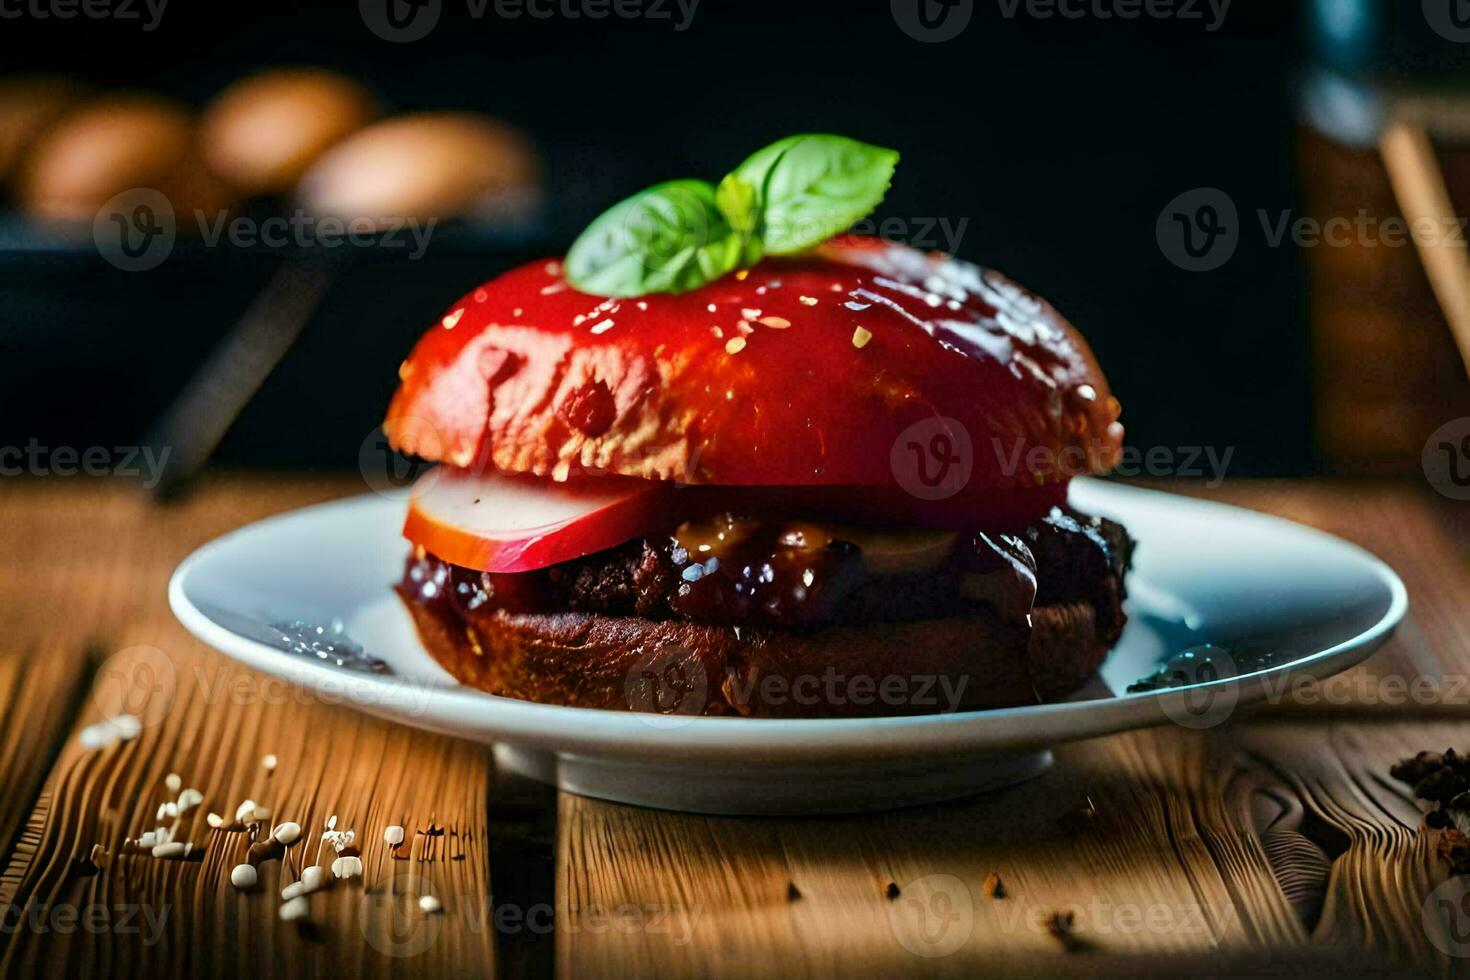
(602, 326)
(261, 814)
(172, 782)
(146, 840)
(127, 726)
(245, 811)
(734, 345)
(750, 314)
(860, 337)
(268, 762)
(552, 268)
(296, 909)
(711, 307)
(642, 305)
(717, 333)
(808, 300)
(451, 320)
(429, 904)
(393, 836)
(775, 322)
(347, 867)
(214, 820)
(189, 799)
(293, 890)
(332, 822)
(244, 876)
(287, 833)
(744, 327)
(313, 877)
(517, 312)
(173, 849)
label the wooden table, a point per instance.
(1276, 842)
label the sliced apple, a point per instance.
(500, 523)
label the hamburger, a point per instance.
(750, 467)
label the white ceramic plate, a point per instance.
(1284, 601)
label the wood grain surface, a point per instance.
(1275, 842)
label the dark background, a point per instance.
(1059, 141)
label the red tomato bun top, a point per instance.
(863, 363)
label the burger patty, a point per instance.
(777, 576)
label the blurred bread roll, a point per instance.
(264, 131)
(432, 165)
(28, 104)
(114, 144)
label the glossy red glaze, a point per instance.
(801, 371)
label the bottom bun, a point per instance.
(933, 666)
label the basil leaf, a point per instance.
(814, 186)
(670, 238)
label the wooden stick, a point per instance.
(1418, 184)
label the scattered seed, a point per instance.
(294, 890)
(429, 904)
(287, 833)
(734, 345)
(245, 811)
(451, 320)
(268, 763)
(602, 326)
(807, 300)
(860, 337)
(393, 836)
(173, 849)
(295, 909)
(214, 820)
(314, 877)
(775, 322)
(750, 314)
(993, 887)
(110, 731)
(244, 876)
(347, 867)
(189, 799)
(173, 783)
